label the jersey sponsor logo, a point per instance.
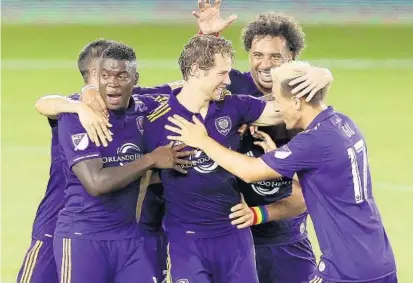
(201, 162)
(127, 153)
(80, 141)
(139, 124)
(267, 188)
(282, 152)
(223, 125)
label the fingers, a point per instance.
(236, 208)
(177, 120)
(263, 135)
(185, 153)
(179, 147)
(184, 162)
(175, 138)
(91, 133)
(312, 93)
(242, 129)
(301, 86)
(297, 80)
(306, 90)
(179, 169)
(170, 145)
(207, 4)
(200, 4)
(217, 3)
(196, 14)
(253, 129)
(102, 104)
(230, 20)
(196, 120)
(101, 135)
(173, 129)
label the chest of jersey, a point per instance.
(127, 144)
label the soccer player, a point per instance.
(95, 122)
(39, 265)
(330, 159)
(283, 250)
(197, 204)
(96, 236)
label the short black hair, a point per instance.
(119, 51)
(92, 51)
(275, 24)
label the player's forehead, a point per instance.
(223, 62)
(268, 44)
(115, 65)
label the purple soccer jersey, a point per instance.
(199, 202)
(330, 159)
(111, 216)
(266, 192)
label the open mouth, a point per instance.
(114, 98)
(265, 75)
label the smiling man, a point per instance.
(330, 160)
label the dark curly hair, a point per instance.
(201, 50)
(275, 24)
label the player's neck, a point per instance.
(193, 99)
(310, 113)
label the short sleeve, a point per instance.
(248, 107)
(300, 154)
(74, 140)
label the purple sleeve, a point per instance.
(74, 140)
(301, 153)
(249, 108)
(166, 89)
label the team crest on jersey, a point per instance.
(182, 281)
(223, 125)
(80, 141)
(139, 123)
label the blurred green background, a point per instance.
(372, 66)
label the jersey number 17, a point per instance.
(359, 163)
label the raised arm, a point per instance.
(53, 105)
(95, 124)
(270, 116)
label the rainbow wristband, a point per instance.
(260, 214)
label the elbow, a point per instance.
(94, 189)
(38, 105)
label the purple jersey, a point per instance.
(266, 192)
(46, 216)
(164, 89)
(330, 158)
(199, 202)
(110, 216)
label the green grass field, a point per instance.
(377, 94)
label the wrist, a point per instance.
(86, 87)
(205, 140)
(214, 34)
(260, 214)
(148, 160)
